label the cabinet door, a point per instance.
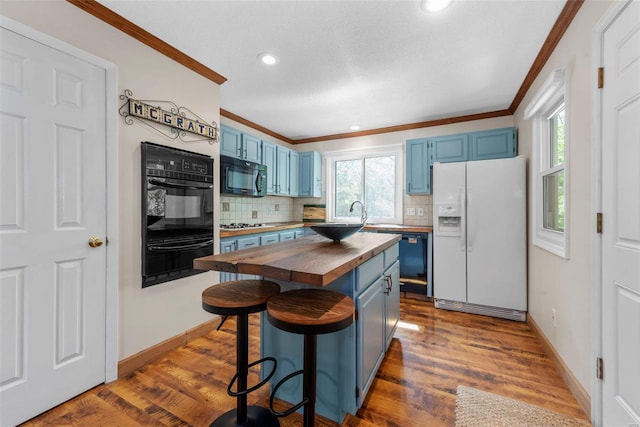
(230, 142)
(298, 234)
(418, 175)
(282, 172)
(227, 245)
(251, 148)
(450, 148)
(392, 301)
(371, 339)
(493, 144)
(269, 160)
(294, 176)
(310, 174)
(248, 242)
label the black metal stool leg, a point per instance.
(309, 379)
(249, 416)
(242, 363)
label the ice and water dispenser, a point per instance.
(448, 219)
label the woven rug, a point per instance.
(476, 408)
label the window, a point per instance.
(372, 176)
(549, 111)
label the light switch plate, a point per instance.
(420, 211)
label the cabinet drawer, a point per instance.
(267, 239)
(248, 242)
(287, 235)
(368, 272)
(391, 255)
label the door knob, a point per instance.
(94, 242)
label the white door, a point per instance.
(621, 215)
(52, 194)
(497, 233)
(449, 228)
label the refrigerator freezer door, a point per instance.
(496, 233)
(449, 248)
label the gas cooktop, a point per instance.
(242, 226)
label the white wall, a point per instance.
(146, 316)
(554, 282)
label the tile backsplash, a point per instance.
(256, 209)
(283, 209)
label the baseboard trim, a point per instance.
(134, 362)
(573, 384)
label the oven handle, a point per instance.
(175, 248)
(173, 185)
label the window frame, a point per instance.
(547, 101)
(361, 154)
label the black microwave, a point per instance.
(242, 178)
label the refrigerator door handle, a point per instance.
(463, 221)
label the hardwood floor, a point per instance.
(431, 354)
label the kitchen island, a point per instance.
(364, 267)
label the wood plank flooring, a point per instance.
(431, 354)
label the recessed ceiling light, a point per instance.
(268, 58)
(434, 5)
(355, 127)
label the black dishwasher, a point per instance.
(415, 263)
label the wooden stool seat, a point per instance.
(309, 312)
(241, 298)
(238, 296)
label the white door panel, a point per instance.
(52, 284)
(621, 219)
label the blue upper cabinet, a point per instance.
(310, 174)
(251, 148)
(294, 173)
(450, 148)
(418, 179)
(282, 171)
(230, 141)
(239, 145)
(422, 153)
(269, 160)
(493, 144)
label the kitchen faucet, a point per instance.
(363, 217)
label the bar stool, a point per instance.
(241, 298)
(309, 312)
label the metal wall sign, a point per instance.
(186, 128)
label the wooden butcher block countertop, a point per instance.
(280, 226)
(312, 260)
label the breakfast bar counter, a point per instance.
(364, 267)
(312, 260)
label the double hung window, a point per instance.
(549, 112)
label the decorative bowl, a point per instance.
(335, 231)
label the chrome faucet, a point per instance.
(363, 217)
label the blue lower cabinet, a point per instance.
(243, 243)
(348, 359)
(287, 235)
(227, 245)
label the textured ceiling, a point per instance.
(371, 63)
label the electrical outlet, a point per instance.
(554, 317)
(420, 212)
(411, 211)
(225, 207)
(254, 214)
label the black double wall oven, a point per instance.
(177, 212)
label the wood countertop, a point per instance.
(312, 260)
(291, 225)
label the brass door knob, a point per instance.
(94, 242)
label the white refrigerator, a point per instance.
(480, 237)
